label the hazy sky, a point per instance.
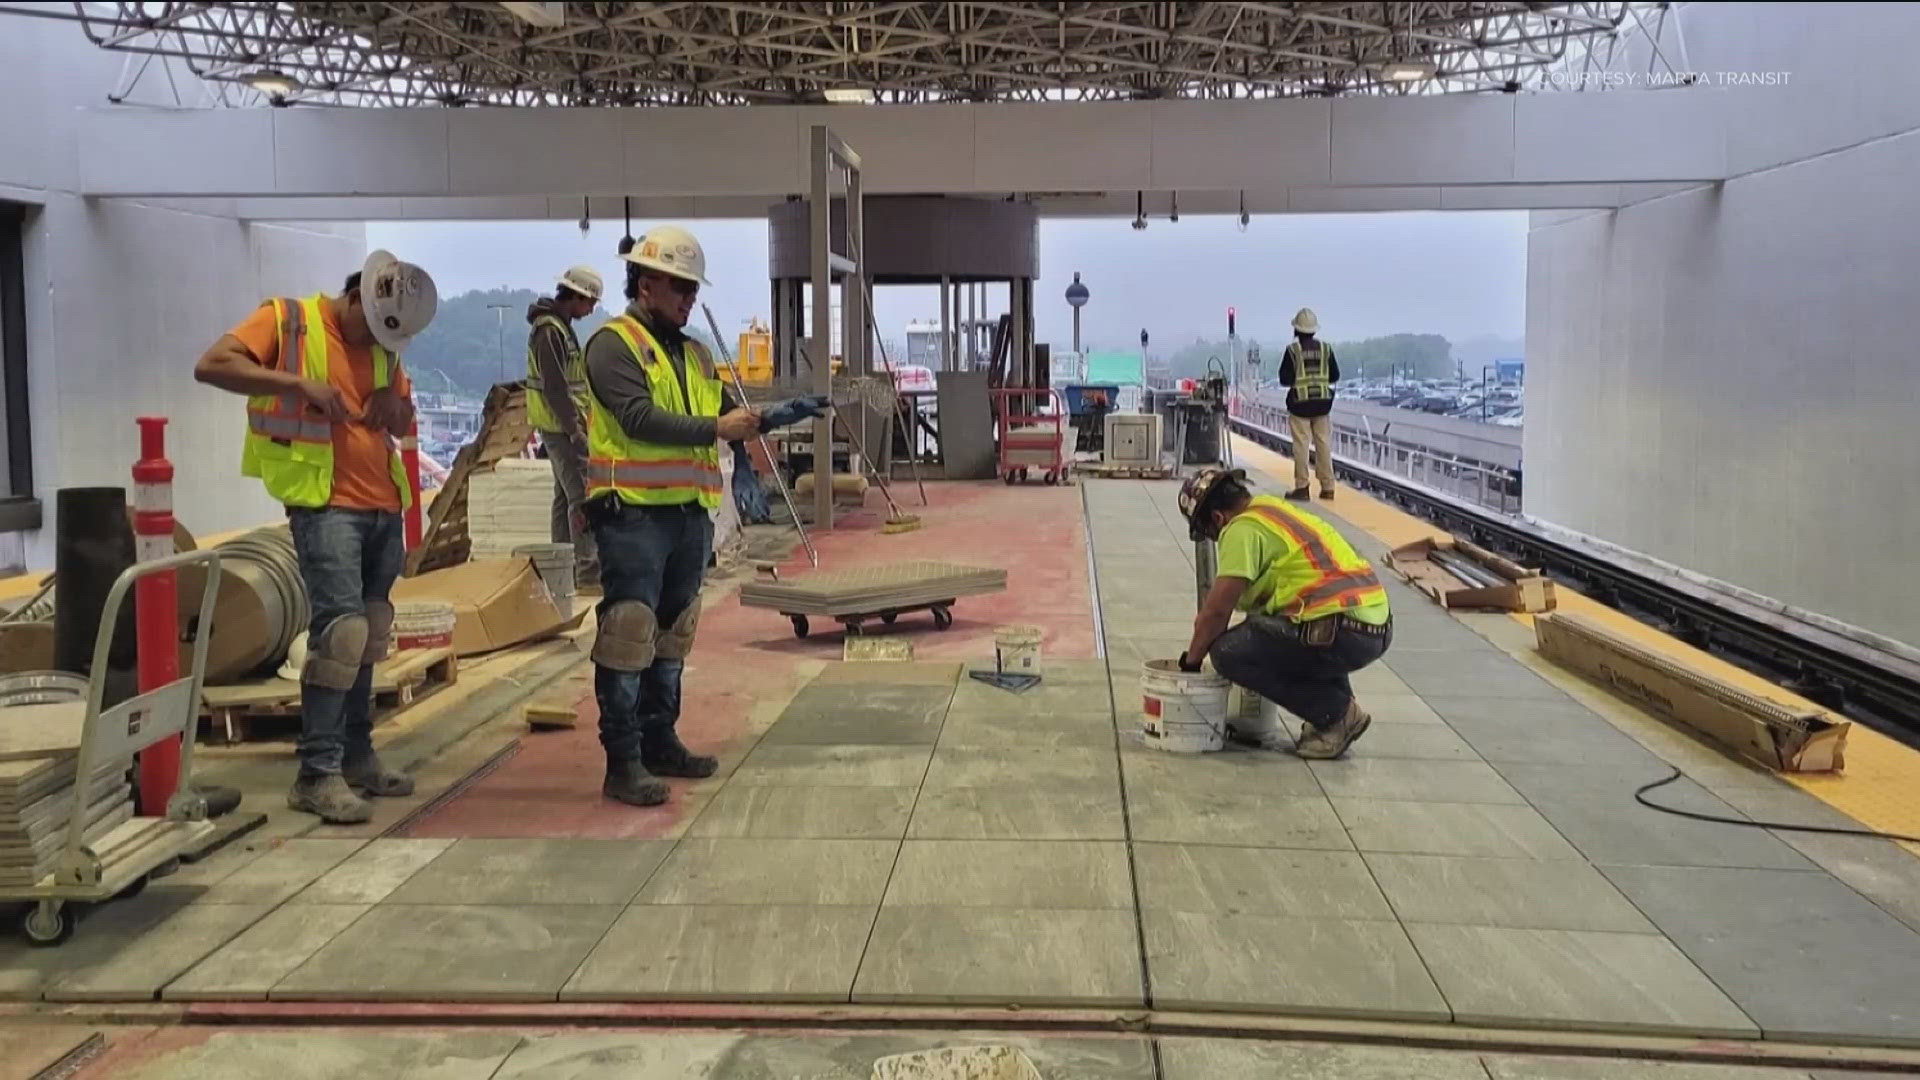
(1459, 274)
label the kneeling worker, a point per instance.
(1316, 612)
(656, 413)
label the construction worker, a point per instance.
(326, 400)
(1309, 371)
(557, 406)
(657, 412)
(1315, 611)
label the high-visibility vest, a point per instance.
(1321, 573)
(655, 474)
(289, 446)
(1310, 371)
(539, 413)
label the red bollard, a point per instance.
(154, 599)
(410, 459)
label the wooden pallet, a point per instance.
(270, 708)
(1108, 471)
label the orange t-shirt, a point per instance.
(360, 477)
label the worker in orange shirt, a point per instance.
(326, 402)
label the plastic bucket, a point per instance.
(1184, 712)
(423, 624)
(1254, 718)
(1016, 649)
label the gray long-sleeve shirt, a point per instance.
(622, 387)
(552, 346)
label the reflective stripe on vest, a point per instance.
(1334, 578)
(655, 474)
(1310, 372)
(574, 367)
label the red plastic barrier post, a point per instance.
(154, 600)
(410, 458)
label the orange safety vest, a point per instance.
(1320, 575)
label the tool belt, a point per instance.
(1321, 632)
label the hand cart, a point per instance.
(1030, 440)
(855, 597)
(120, 862)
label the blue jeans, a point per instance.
(656, 555)
(347, 557)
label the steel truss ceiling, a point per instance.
(408, 54)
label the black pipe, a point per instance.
(92, 547)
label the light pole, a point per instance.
(1076, 299)
(500, 337)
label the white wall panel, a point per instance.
(1528, 196)
(1341, 200)
(1572, 137)
(1234, 144)
(916, 149)
(382, 151)
(718, 151)
(1087, 147)
(159, 151)
(531, 151)
(1431, 140)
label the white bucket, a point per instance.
(423, 624)
(1254, 718)
(1184, 712)
(1016, 649)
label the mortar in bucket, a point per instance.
(1184, 712)
(1016, 649)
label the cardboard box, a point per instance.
(496, 603)
(1521, 589)
(1751, 726)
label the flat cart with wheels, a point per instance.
(854, 598)
(1031, 440)
(119, 862)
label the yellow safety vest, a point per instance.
(290, 446)
(654, 474)
(539, 413)
(1321, 574)
(1309, 372)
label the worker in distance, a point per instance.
(557, 407)
(1316, 612)
(1308, 370)
(656, 414)
(327, 401)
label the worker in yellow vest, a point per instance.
(326, 402)
(1316, 613)
(557, 407)
(657, 412)
(1308, 370)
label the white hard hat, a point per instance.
(399, 299)
(296, 658)
(1306, 322)
(671, 250)
(584, 280)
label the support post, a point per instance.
(410, 460)
(821, 352)
(155, 599)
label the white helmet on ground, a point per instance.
(673, 251)
(296, 658)
(584, 280)
(399, 299)
(1305, 322)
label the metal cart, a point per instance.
(120, 862)
(1035, 440)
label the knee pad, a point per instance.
(626, 639)
(333, 661)
(379, 631)
(676, 641)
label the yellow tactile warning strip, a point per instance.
(1881, 785)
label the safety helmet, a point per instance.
(399, 299)
(1306, 322)
(296, 658)
(671, 250)
(584, 280)
(1197, 490)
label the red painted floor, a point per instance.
(551, 788)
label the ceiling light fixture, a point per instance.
(1406, 71)
(849, 95)
(274, 84)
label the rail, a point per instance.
(1491, 486)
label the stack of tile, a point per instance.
(871, 589)
(37, 800)
(509, 505)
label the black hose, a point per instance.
(1640, 796)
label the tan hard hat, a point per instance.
(673, 251)
(399, 299)
(584, 280)
(1306, 322)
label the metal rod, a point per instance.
(899, 410)
(773, 463)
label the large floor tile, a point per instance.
(1056, 694)
(823, 813)
(452, 953)
(811, 1056)
(1011, 874)
(1378, 680)
(1574, 978)
(836, 715)
(276, 875)
(371, 874)
(1166, 813)
(834, 766)
(1472, 829)
(1252, 774)
(1258, 881)
(1595, 809)
(1481, 674)
(1519, 1067)
(1509, 730)
(1396, 708)
(247, 967)
(798, 872)
(134, 956)
(1002, 956)
(1247, 1059)
(726, 952)
(1083, 730)
(1284, 963)
(963, 767)
(334, 1055)
(1803, 954)
(1358, 776)
(1018, 813)
(1425, 742)
(1525, 893)
(576, 872)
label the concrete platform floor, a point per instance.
(895, 833)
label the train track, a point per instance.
(1869, 685)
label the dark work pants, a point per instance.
(1268, 656)
(658, 556)
(347, 557)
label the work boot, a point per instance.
(1327, 494)
(665, 755)
(331, 798)
(1331, 741)
(1300, 494)
(630, 782)
(370, 778)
